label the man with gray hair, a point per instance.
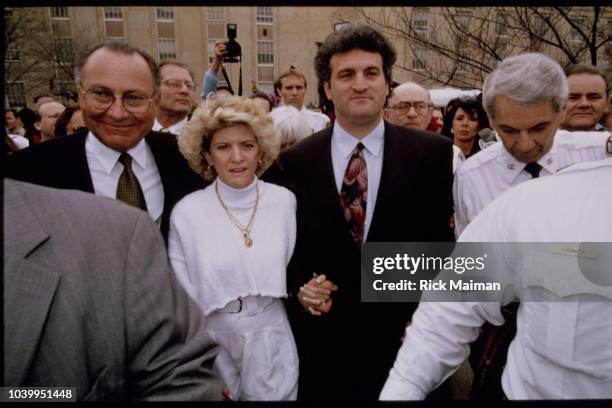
(117, 156)
(409, 105)
(524, 99)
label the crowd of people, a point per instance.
(231, 266)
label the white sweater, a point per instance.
(207, 250)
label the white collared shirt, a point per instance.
(343, 144)
(490, 172)
(105, 170)
(562, 349)
(174, 129)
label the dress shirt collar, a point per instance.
(109, 157)
(346, 142)
(176, 128)
(514, 167)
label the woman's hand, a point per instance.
(315, 295)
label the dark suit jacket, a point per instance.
(62, 163)
(90, 302)
(358, 342)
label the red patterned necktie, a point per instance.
(354, 193)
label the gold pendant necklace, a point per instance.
(246, 231)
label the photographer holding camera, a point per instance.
(225, 51)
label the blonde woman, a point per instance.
(230, 243)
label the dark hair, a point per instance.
(470, 105)
(359, 37)
(120, 47)
(278, 84)
(61, 124)
(585, 69)
(178, 64)
(12, 110)
(266, 96)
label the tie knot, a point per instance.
(126, 160)
(533, 169)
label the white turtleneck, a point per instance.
(207, 250)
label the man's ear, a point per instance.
(327, 89)
(37, 125)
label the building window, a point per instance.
(266, 86)
(420, 20)
(575, 34)
(64, 50)
(419, 58)
(216, 14)
(167, 49)
(58, 12)
(502, 24)
(12, 54)
(165, 14)
(462, 18)
(15, 93)
(264, 15)
(113, 13)
(265, 54)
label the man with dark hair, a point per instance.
(119, 156)
(361, 180)
(586, 102)
(290, 86)
(176, 97)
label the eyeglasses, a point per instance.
(177, 84)
(420, 107)
(102, 99)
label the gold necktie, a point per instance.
(128, 187)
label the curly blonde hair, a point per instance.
(221, 113)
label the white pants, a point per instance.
(258, 358)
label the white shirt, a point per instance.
(20, 141)
(316, 120)
(105, 171)
(342, 145)
(562, 349)
(207, 250)
(490, 172)
(174, 129)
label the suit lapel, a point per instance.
(398, 166)
(29, 285)
(77, 168)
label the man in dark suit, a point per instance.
(90, 302)
(120, 157)
(361, 180)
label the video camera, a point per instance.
(232, 48)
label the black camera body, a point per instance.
(233, 50)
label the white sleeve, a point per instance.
(436, 343)
(176, 252)
(459, 196)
